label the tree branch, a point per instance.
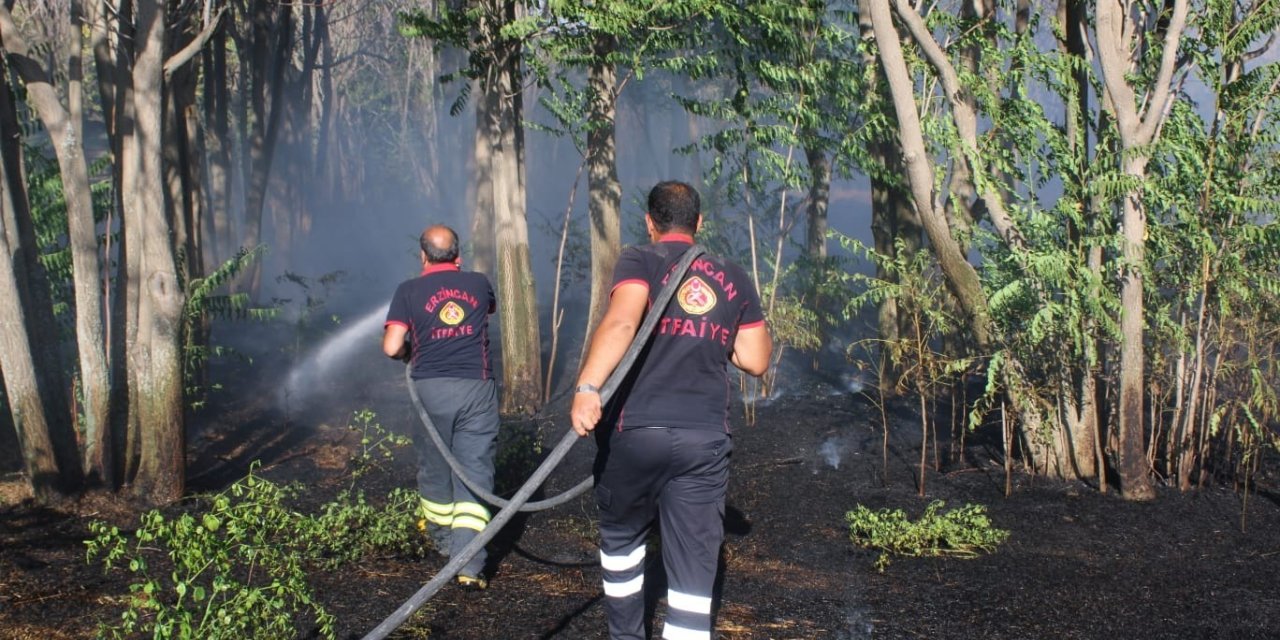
(1112, 50)
(960, 275)
(188, 52)
(19, 51)
(966, 120)
(1164, 79)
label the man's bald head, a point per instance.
(439, 243)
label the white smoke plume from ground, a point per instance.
(832, 451)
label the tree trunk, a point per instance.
(18, 360)
(218, 241)
(482, 213)
(157, 362)
(22, 392)
(34, 294)
(962, 278)
(819, 198)
(892, 219)
(1116, 34)
(266, 65)
(517, 297)
(1085, 424)
(605, 192)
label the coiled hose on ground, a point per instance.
(518, 501)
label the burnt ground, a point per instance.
(1077, 563)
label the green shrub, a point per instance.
(235, 568)
(235, 564)
(377, 443)
(965, 532)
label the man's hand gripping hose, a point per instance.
(518, 501)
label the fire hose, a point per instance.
(518, 501)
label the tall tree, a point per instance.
(517, 297)
(18, 362)
(269, 53)
(1121, 42)
(157, 360)
(1082, 406)
(604, 189)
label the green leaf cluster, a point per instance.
(965, 532)
(235, 564)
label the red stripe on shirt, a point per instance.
(437, 268)
(638, 281)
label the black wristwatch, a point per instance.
(586, 388)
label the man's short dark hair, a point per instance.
(437, 254)
(674, 206)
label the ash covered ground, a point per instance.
(1077, 563)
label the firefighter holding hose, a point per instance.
(438, 323)
(665, 446)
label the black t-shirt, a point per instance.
(683, 378)
(447, 314)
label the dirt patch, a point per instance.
(1077, 564)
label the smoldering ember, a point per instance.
(1019, 267)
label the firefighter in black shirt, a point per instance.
(439, 324)
(666, 454)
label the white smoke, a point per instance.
(831, 451)
(327, 364)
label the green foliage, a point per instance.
(912, 280)
(205, 301)
(350, 528)
(235, 564)
(965, 532)
(236, 568)
(795, 324)
(49, 218)
(205, 297)
(377, 444)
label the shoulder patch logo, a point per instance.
(695, 296)
(452, 314)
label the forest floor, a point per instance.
(1077, 563)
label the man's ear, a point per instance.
(422, 255)
(651, 228)
(697, 226)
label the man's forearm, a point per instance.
(608, 345)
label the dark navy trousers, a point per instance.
(679, 476)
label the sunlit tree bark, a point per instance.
(962, 278)
(157, 359)
(1137, 123)
(605, 192)
(517, 297)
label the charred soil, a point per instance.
(1077, 563)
